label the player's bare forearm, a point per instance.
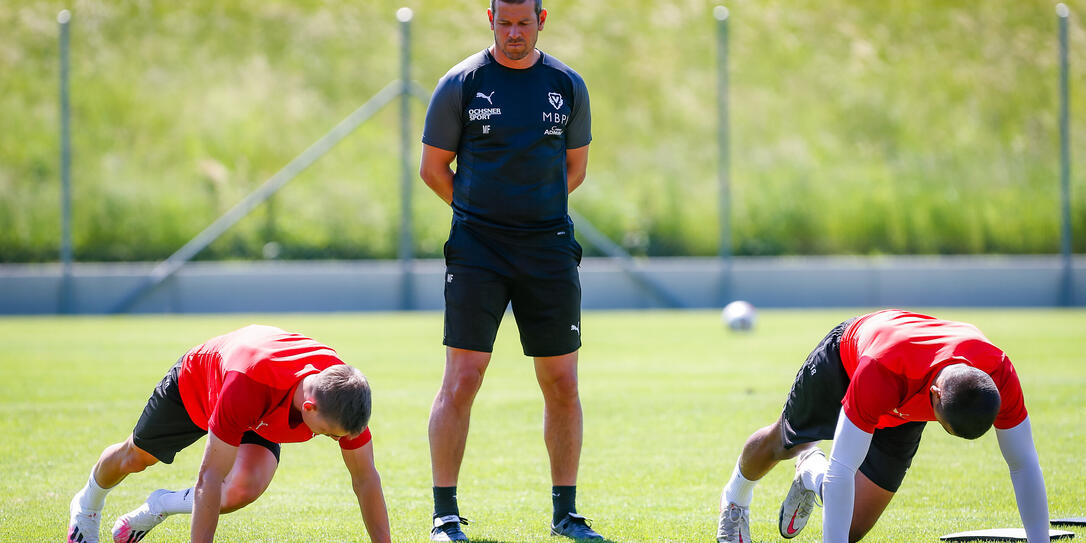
(366, 483)
(371, 499)
(218, 460)
(205, 508)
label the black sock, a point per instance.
(445, 501)
(564, 499)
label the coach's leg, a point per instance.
(249, 478)
(563, 431)
(563, 424)
(451, 412)
(871, 501)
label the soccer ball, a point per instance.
(739, 315)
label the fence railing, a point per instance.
(405, 89)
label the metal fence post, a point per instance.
(406, 252)
(65, 298)
(1066, 294)
(723, 152)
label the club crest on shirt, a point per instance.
(555, 99)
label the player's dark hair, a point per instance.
(342, 395)
(538, 5)
(969, 400)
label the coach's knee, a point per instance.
(560, 389)
(461, 385)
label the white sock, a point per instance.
(92, 497)
(178, 501)
(739, 490)
(813, 472)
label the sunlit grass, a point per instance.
(669, 398)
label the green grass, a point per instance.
(922, 127)
(668, 397)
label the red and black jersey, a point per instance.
(245, 380)
(893, 356)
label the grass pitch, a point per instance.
(669, 398)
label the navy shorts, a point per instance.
(165, 427)
(535, 272)
(814, 403)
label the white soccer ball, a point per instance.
(739, 315)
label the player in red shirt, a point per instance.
(248, 391)
(871, 385)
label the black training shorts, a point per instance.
(165, 427)
(486, 270)
(814, 403)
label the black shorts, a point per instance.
(486, 270)
(814, 403)
(165, 427)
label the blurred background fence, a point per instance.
(856, 128)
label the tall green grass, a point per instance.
(923, 127)
(669, 398)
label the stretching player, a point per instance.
(248, 391)
(871, 385)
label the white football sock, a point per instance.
(813, 472)
(178, 501)
(92, 497)
(739, 490)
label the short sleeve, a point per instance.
(872, 392)
(1012, 405)
(579, 129)
(352, 444)
(239, 407)
(444, 116)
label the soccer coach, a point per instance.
(517, 122)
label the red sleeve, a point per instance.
(873, 391)
(352, 444)
(240, 406)
(1012, 405)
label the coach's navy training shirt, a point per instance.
(510, 129)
